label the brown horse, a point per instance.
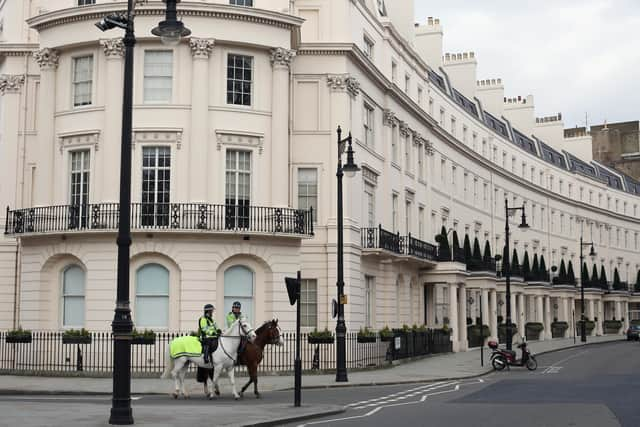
(268, 333)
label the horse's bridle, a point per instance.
(276, 340)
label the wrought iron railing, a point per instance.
(161, 216)
(379, 238)
(49, 353)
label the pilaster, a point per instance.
(462, 317)
(199, 139)
(48, 60)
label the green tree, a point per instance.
(603, 278)
(526, 269)
(477, 255)
(562, 276)
(571, 277)
(486, 256)
(467, 249)
(456, 244)
(544, 274)
(444, 252)
(595, 282)
(617, 285)
(535, 268)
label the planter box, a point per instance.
(320, 340)
(143, 340)
(532, 334)
(611, 326)
(18, 339)
(589, 327)
(558, 329)
(386, 338)
(76, 340)
(502, 332)
(366, 338)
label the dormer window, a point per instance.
(247, 3)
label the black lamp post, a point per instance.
(350, 168)
(507, 264)
(122, 325)
(592, 255)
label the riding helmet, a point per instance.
(209, 307)
(236, 304)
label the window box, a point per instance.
(322, 337)
(366, 335)
(76, 340)
(146, 337)
(73, 336)
(18, 336)
(320, 340)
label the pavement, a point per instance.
(443, 367)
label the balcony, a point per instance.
(379, 238)
(242, 219)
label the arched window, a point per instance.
(238, 286)
(152, 296)
(73, 297)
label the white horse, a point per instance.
(223, 359)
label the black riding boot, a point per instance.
(205, 352)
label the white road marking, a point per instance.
(382, 405)
(399, 393)
(387, 398)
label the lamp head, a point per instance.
(171, 30)
(592, 253)
(523, 224)
(350, 168)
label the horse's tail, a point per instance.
(167, 371)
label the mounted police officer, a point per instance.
(234, 315)
(208, 331)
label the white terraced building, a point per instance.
(234, 141)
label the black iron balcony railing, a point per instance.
(161, 216)
(379, 238)
(482, 265)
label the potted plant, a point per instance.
(386, 334)
(532, 330)
(476, 334)
(76, 336)
(366, 335)
(502, 331)
(146, 337)
(320, 337)
(612, 326)
(19, 336)
(558, 328)
(589, 326)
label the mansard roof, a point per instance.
(524, 142)
(466, 103)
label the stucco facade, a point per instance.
(437, 147)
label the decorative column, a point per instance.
(591, 314)
(625, 314)
(199, 138)
(48, 60)
(522, 319)
(110, 153)
(281, 61)
(493, 314)
(514, 311)
(10, 90)
(600, 313)
(540, 317)
(547, 319)
(453, 316)
(484, 297)
(564, 303)
(462, 317)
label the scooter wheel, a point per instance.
(532, 365)
(499, 363)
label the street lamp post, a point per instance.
(122, 325)
(592, 254)
(350, 168)
(507, 264)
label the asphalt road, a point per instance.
(593, 386)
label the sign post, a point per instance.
(293, 289)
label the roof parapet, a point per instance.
(450, 58)
(489, 83)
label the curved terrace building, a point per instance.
(233, 183)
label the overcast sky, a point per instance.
(574, 56)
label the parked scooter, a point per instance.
(503, 358)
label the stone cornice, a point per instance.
(18, 49)
(201, 48)
(11, 83)
(156, 8)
